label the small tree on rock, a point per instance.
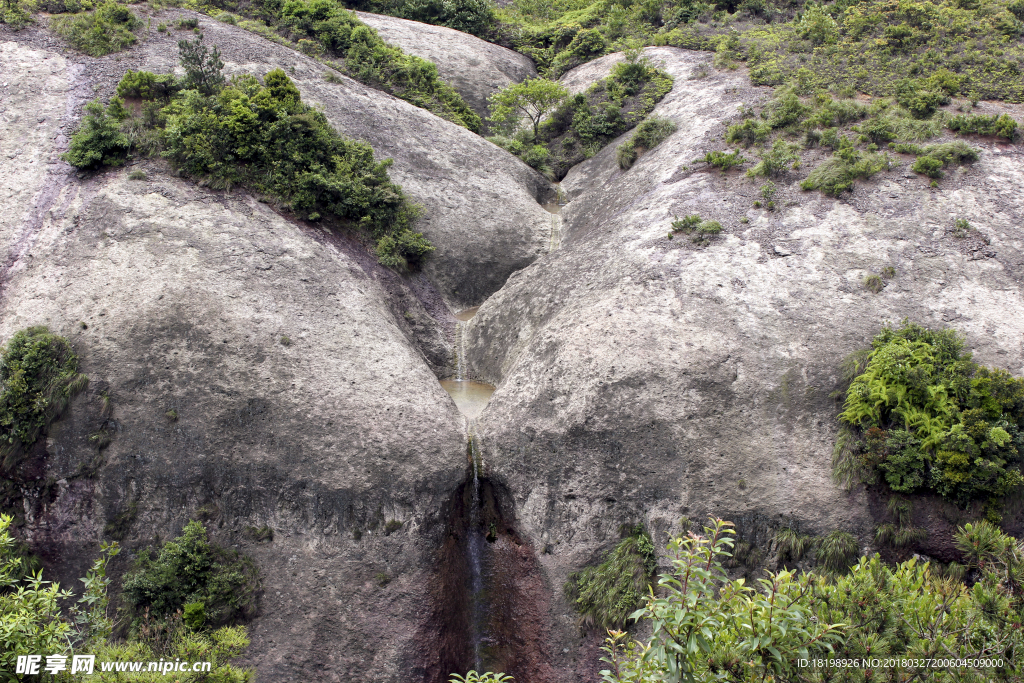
(534, 98)
(202, 66)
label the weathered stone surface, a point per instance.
(641, 378)
(475, 68)
(180, 299)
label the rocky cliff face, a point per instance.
(647, 379)
(475, 68)
(264, 373)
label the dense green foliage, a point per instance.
(474, 677)
(533, 99)
(582, 125)
(38, 377)
(871, 46)
(651, 132)
(260, 135)
(99, 141)
(211, 585)
(708, 627)
(469, 16)
(14, 14)
(329, 29)
(606, 594)
(109, 28)
(923, 416)
(32, 622)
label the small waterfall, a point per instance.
(555, 208)
(477, 545)
(460, 351)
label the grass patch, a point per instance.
(648, 135)
(700, 231)
(606, 594)
(109, 28)
(837, 551)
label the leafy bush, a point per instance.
(258, 135)
(935, 157)
(366, 57)
(99, 140)
(193, 574)
(774, 161)
(468, 16)
(724, 160)
(707, 627)
(997, 125)
(837, 551)
(605, 595)
(651, 132)
(750, 132)
(581, 125)
(924, 416)
(110, 28)
(148, 86)
(38, 378)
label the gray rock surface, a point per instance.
(646, 379)
(475, 68)
(179, 299)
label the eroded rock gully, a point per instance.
(636, 379)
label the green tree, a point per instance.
(708, 628)
(202, 66)
(534, 99)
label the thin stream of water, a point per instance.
(476, 545)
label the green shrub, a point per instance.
(874, 283)
(366, 57)
(38, 378)
(147, 86)
(220, 585)
(468, 16)
(961, 228)
(935, 157)
(929, 166)
(700, 231)
(99, 140)
(704, 624)
(748, 133)
(774, 161)
(187, 23)
(605, 595)
(651, 132)
(926, 417)
(997, 125)
(110, 28)
(724, 160)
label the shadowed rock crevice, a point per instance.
(511, 607)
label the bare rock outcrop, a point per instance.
(475, 68)
(258, 375)
(647, 379)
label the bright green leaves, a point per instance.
(926, 417)
(99, 141)
(38, 377)
(532, 99)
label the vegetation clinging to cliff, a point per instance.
(211, 585)
(38, 378)
(583, 124)
(258, 135)
(905, 623)
(324, 27)
(606, 594)
(923, 416)
(109, 28)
